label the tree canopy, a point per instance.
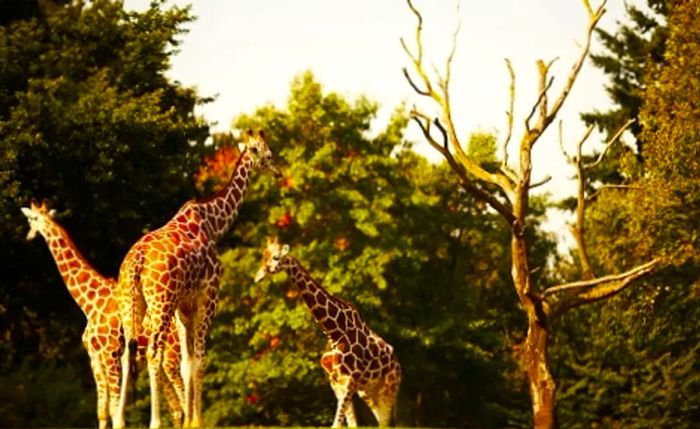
(89, 122)
(379, 226)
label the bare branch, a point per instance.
(577, 296)
(546, 179)
(633, 273)
(509, 114)
(593, 18)
(543, 71)
(418, 59)
(579, 145)
(424, 123)
(453, 49)
(543, 94)
(442, 97)
(419, 29)
(413, 85)
(609, 144)
(568, 157)
(611, 186)
(445, 139)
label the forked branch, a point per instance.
(441, 96)
(578, 228)
(563, 297)
(467, 183)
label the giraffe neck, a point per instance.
(326, 309)
(220, 211)
(85, 284)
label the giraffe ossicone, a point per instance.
(356, 358)
(102, 336)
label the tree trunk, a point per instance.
(542, 386)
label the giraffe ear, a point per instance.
(285, 249)
(241, 147)
(261, 134)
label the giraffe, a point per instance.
(102, 336)
(171, 275)
(356, 358)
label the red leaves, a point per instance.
(284, 221)
(217, 168)
(252, 398)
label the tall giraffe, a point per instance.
(356, 358)
(173, 273)
(102, 336)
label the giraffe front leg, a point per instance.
(100, 386)
(339, 390)
(344, 393)
(118, 416)
(350, 418)
(204, 315)
(205, 310)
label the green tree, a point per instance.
(88, 121)
(377, 225)
(647, 374)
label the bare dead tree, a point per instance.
(511, 201)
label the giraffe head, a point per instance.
(254, 144)
(39, 217)
(272, 255)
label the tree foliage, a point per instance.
(647, 374)
(89, 122)
(377, 225)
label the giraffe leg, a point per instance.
(174, 399)
(114, 369)
(382, 411)
(382, 400)
(118, 417)
(206, 308)
(160, 318)
(184, 328)
(101, 386)
(350, 415)
(344, 395)
(173, 387)
(131, 309)
(339, 391)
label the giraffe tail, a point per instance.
(133, 370)
(130, 286)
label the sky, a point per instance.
(246, 53)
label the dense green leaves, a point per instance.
(637, 365)
(89, 122)
(378, 225)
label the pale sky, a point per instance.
(246, 52)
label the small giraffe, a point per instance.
(173, 273)
(102, 337)
(356, 358)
